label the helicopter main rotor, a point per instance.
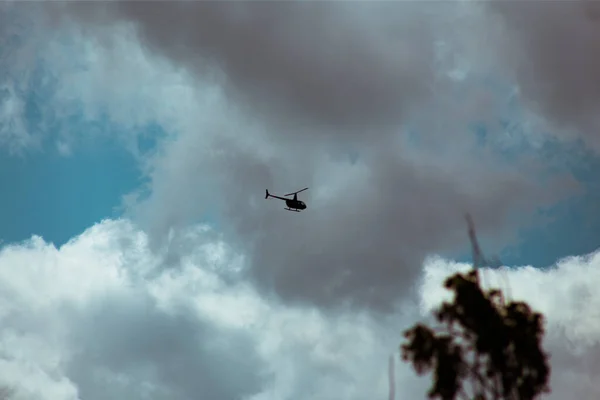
(289, 194)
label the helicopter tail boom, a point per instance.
(267, 195)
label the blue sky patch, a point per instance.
(59, 197)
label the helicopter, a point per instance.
(292, 204)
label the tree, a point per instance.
(484, 347)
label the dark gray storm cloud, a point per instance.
(341, 64)
(364, 243)
(305, 85)
(552, 49)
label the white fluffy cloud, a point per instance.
(95, 320)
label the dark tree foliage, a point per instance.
(484, 348)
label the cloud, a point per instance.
(316, 58)
(254, 96)
(391, 157)
(15, 132)
(551, 49)
(92, 320)
(92, 326)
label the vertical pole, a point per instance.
(391, 379)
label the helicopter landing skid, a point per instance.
(291, 209)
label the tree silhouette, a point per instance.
(484, 347)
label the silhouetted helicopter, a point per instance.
(293, 204)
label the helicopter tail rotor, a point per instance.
(266, 193)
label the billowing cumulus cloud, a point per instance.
(372, 106)
(91, 320)
(93, 330)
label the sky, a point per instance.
(140, 260)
